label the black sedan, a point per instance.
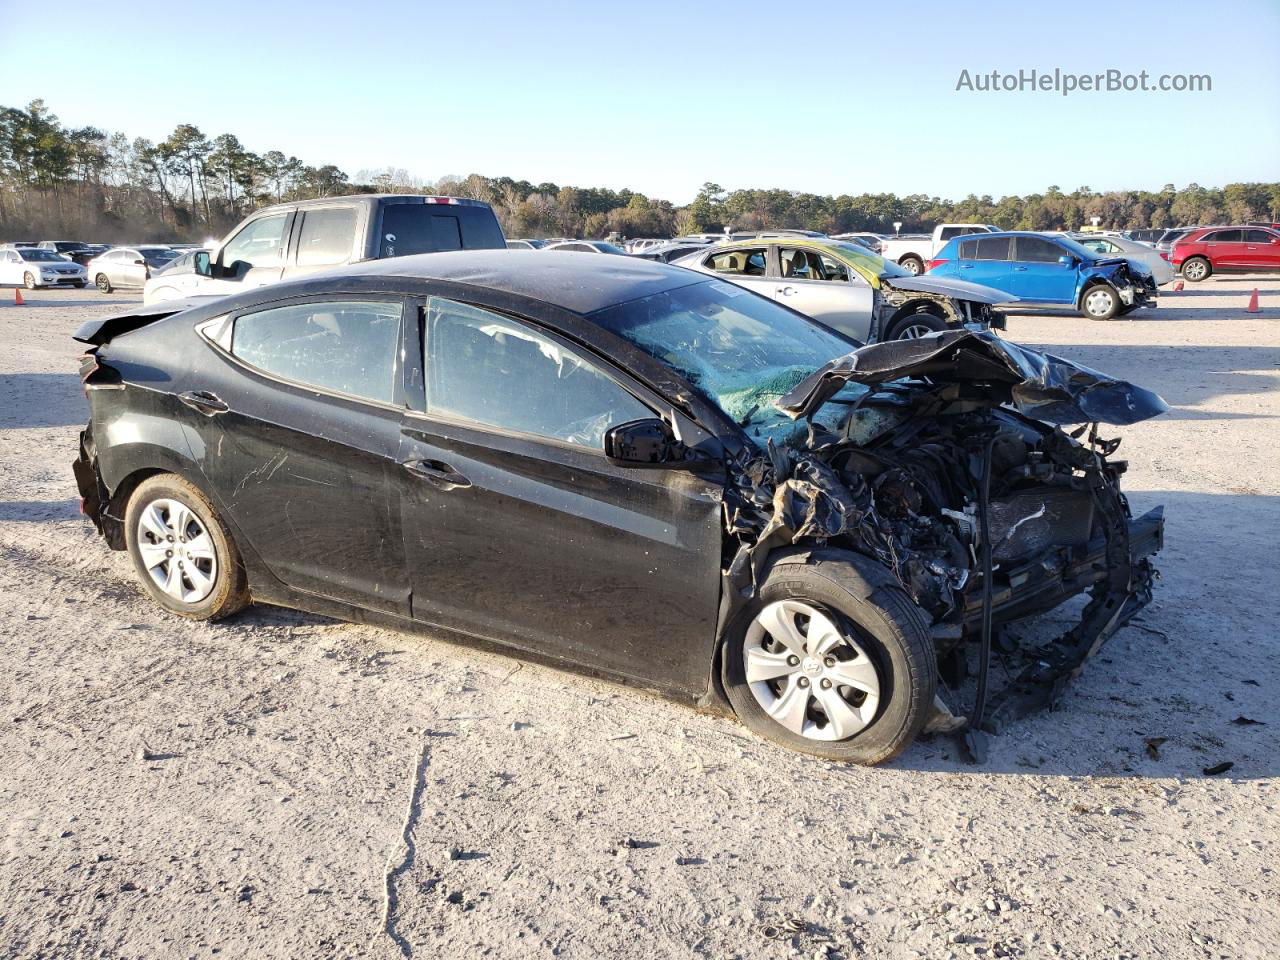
(626, 468)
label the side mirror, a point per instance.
(1067, 261)
(644, 443)
(203, 267)
(139, 263)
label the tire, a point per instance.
(913, 264)
(81, 284)
(1196, 269)
(102, 282)
(875, 621)
(1099, 302)
(916, 325)
(29, 281)
(153, 525)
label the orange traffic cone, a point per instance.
(1177, 287)
(1253, 302)
(17, 298)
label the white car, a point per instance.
(913, 253)
(33, 267)
(128, 266)
(1132, 250)
(175, 280)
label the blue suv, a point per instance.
(1048, 270)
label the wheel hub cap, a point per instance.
(177, 551)
(808, 673)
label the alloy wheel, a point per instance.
(177, 551)
(916, 330)
(1194, 270)
(808, 673)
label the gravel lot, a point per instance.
(281, 785)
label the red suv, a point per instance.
(1210, 250)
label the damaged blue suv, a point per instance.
(1050, 271)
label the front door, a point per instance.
(518, 529)
(1037, 273)
(297, 429)
(252, 258)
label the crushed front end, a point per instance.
(972, 469)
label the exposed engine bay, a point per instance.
(950, 465)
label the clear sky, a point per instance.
(661, 96)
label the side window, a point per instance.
(326, 236)
(259, 244)
(992, 248)
(345, 346)
(489, 369)
(1224, 236)
(832, 269)
(1038, 250)
(967, 250)
(949, 232)
(1258, 236)
(748, 263)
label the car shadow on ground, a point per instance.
(1184, 687)
(41, 400)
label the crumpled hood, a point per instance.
(960, 289)
(1045, 387)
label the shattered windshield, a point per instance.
(741, 351)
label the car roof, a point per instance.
(570, 280)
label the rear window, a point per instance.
(409, 228)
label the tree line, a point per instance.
(87, 183)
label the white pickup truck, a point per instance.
(914, 253)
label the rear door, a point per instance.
(987, 260)
(1226, 248)
(296, 421)
(518, 529)
(1037, 274)
(749, 267)
(325, 236)
(821, 287)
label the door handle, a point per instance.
(786, 291)
(966, 266)
(1019, 269)
(204, 402)
(438, 473)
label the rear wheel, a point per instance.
(913, 265)
(826, 662)
(182, 552)
(29, 281)
(102, 283)
(1100, 302)
(1197, 269)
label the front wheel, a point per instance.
(1197, 269)
(29, 281)
(916, 325)
(913, 265)
(102, 282)
(182, 552)
(828, 662)
(1100, 303)
(81, 284)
